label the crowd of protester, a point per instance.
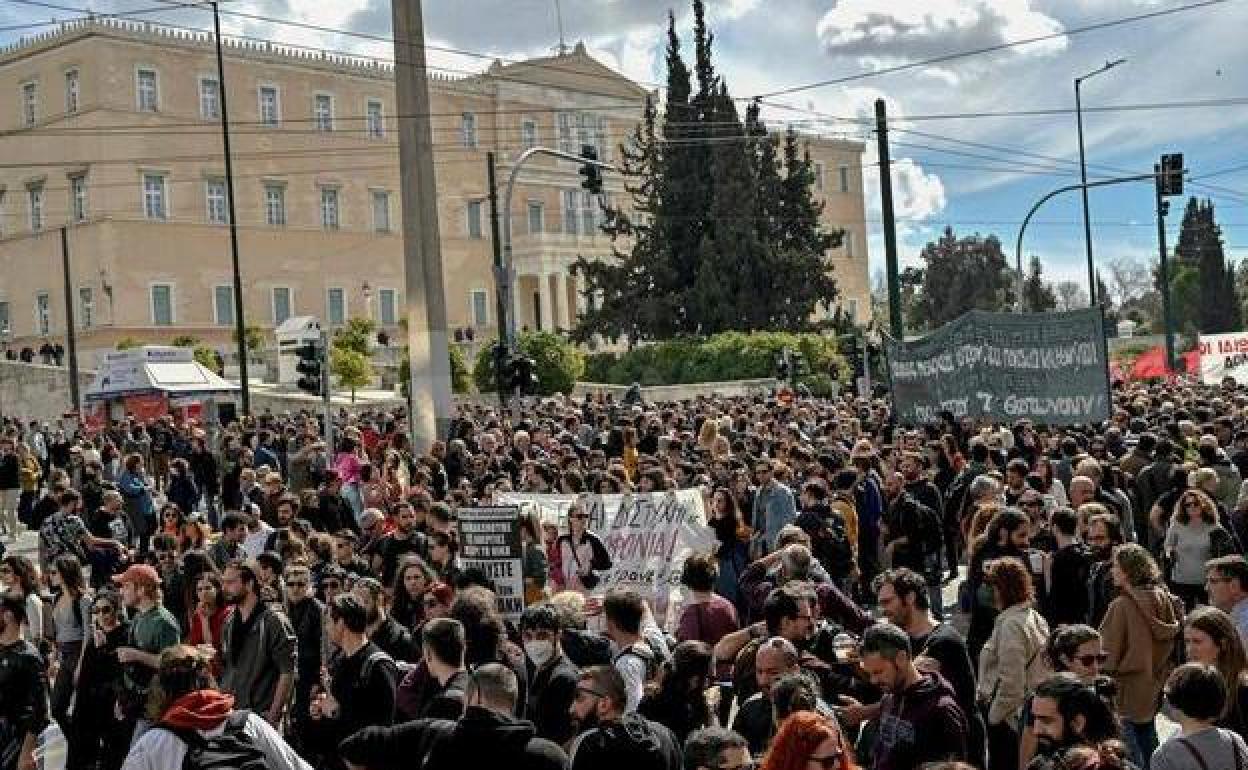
(241, 596)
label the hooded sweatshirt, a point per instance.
(207, 712)
(631, 743)
(1139, 632)
(923, 724)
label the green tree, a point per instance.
(718, 222)
(1200, 245)
(128, 343)
(206, 357)
(559, 365)
(461, 378)
(356, 334)
(963, 274)
(184, 341)
(1038, 294)
(351, 368)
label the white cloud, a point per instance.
(879, 33)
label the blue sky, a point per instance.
(764, 46)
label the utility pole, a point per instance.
(422, 247)
(240, 325)
(1163, 269)
(1083, 179)
(326, 391)
(502, 280)
(890, 226)
(71, 334)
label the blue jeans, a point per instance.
(1141, 740)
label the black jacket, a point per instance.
(923, 724)
(551, 694)
(632, 743)
(480, 739)
(24, 706)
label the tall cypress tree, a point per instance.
(618, 304)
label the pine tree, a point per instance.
(1038, 295)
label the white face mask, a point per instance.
(539, 651)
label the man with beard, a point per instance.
(938, 649)
(1067, 713)
(24, 705)
(1104, 534)
(258, 647)
(384, 631)
(920, 720)
(361, 692)
(287, 508)
(403, 540)
(611, 739)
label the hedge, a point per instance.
(726, 356)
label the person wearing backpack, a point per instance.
(1196, 694)
(635, 659)
(197, 728)
(362, 690)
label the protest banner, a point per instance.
(489, 541)
(1222, 356)
(648, 536)
(1047, 367)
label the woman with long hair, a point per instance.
(208, 616)
(809, 740)
(732, 551)
(412, 580)
(1012, 662)
(1193, 538)
(536, 570)
(71, 611)
(1209, 636)
(20, 576)
(194, 535)
(1008, 534)
(97, 736)
(1139, 632)
(679, 703)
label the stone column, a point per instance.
(564, 320)
(547, 311)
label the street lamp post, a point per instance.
(1083, 177)
(368, 301)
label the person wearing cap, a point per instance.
(23, 689)
(152, 629)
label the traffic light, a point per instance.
(782, 366)
(593, 175)
(520, 374)
(1171, 180)
(310, 367)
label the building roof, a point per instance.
(576, 70)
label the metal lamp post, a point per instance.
(1083, 176)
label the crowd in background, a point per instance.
(244, 596)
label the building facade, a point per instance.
(116, 137)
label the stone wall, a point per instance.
(37, 392)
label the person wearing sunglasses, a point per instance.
(609, 737)
(582, 554)
(99, 737)
(1069, 713)
(809, 740)
(307, 617)
(1076, 649)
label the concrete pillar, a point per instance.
(543, 290)
(561, 296)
